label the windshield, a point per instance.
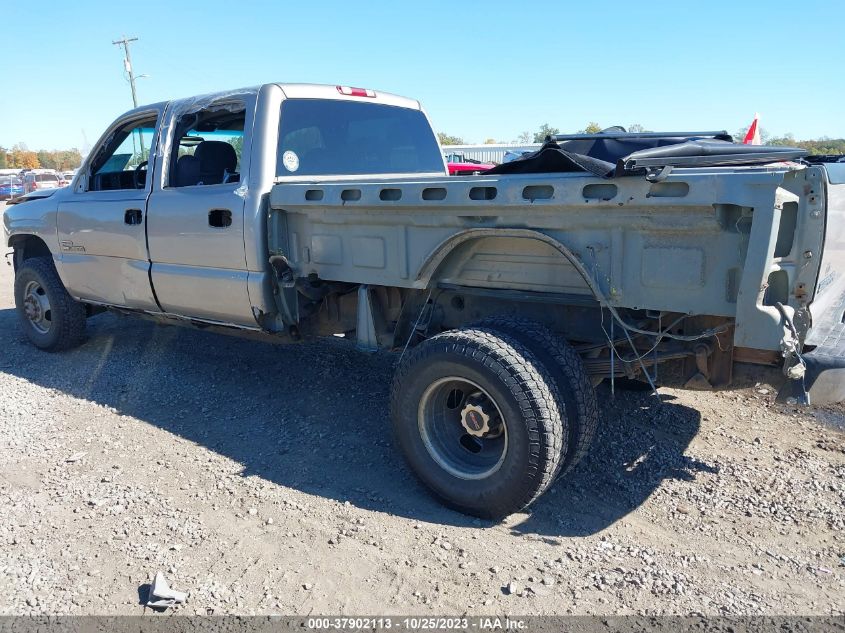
(128, 149)
(324, 137)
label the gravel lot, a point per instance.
(262, 479)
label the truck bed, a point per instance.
(723, 241)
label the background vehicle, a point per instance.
(10, 187)
(459, 165)
(41, 179)
(291, 211)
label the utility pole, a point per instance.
(127, 63)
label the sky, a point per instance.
(481, 69)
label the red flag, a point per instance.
(752, 137)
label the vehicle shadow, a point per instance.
(314, 417)
(641, 442)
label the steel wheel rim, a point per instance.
(444, 436)
(36, 307)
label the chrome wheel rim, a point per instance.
(36, 307)
(462, 428)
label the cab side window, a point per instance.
(209, 147)
(121, 162)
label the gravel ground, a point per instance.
(261, 479)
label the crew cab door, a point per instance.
(101, 222)
(195, 217)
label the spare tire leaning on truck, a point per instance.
(480, 417)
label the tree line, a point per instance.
(823, 145)
(21, 157)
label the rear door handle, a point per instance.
(133, 216)
(220, 218)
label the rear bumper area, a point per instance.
(824, 380)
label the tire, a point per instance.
(48, 316)
(516, 390)
(572, 386)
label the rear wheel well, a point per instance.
(28, 246)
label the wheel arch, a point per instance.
(457, 249)
(26, 246)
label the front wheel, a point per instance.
(475, 416)
(48, 315)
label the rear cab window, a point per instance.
(324, 137)
(210, 146)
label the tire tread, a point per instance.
(575, 393)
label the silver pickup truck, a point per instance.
(296, 211)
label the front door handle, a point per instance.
(133, 216)
(220, 218)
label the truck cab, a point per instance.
(166, 214)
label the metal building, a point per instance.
(491, 153)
